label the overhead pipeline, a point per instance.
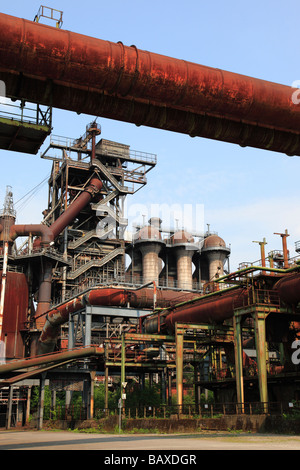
(213, 308)
(219, 306)
(105, 296)
(67, 70)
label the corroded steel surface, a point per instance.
(288, 288)
(15, 308)
(215, 309)
(117, 297)
(92, 76)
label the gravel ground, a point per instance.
(68, 440)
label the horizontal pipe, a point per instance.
(50, 358)
(288, 289)
(45, 233)
(88, 75)
(208, 311)
(219, 306)
(253, 268)
(211, 308)
(104, 296)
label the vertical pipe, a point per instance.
(9, 407)
(88, 328)
(71, 335)
(64, 281)
(41, 402)
(260, 342)
(123, 352)
(92, 387)
(284, 247)
(3, 285)
(106, 379)
(196, 385)
(44, 299)
(238, 353)
(28, 405)
(179, 367)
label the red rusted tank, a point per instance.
(88, 75)
(288, 288)
(15, 313)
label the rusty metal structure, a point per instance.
(67, 295)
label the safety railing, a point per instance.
(79, 412)
(21, 112)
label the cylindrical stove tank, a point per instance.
(148, 241)
(215, 251)
(184, 250)
(15, 314)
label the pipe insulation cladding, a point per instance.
(71, 71)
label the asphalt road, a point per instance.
(175, 444)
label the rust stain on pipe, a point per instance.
(108, 296)
(40, 230)
(212, 310)
(46, 234)
(288, 288)
(50, 358)
(89, 75)
(76, 207)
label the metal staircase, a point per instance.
(106, 172)
(95, 263)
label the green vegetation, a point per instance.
(140, 402)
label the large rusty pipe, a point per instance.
(44, 295)
(214, 308)
(45, 233)
(88, 75)
(50, 359)
(219, 306)
(105, 296)
(288, 289)
(76, 207)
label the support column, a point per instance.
(92, 388)
(163, 386)
(106, 379)
(3, 286)
(179, 367)
(238, 355)
(28, 405)
(123, 352)
(88, 328)
(169, 372)
(260, 341)
(9, 407)
(41, 402)
(71, 336)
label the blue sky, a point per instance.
(247, 194)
